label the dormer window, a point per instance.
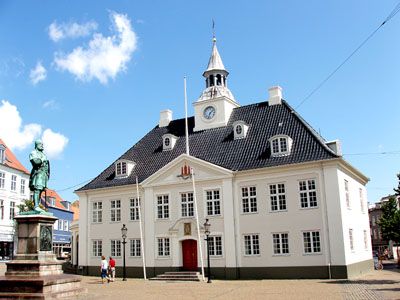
(169, 141)
(123, 168)
(280, 145)
(240, 129)
(2, 154)
(51, 201)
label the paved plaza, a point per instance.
(375, 285)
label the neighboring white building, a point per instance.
(14, 187)
(282, 202)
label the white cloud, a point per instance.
(54, 143)
(58, 32)
(18, 136)
(12, 132)
(104, 57)
(50, 104)
(38, 74)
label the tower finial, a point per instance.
(213, 29)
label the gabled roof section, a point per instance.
(218, 146)
(11, 160)
(59, 202)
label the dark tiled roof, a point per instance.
(218, 146)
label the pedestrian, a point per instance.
(103, 268)
(111, 266)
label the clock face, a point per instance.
(209, 112)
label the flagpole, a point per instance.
(186, 118)
(194, 186)
(140, 227)
(198, 226)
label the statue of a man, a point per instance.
(40, 173)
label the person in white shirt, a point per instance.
(103, 268)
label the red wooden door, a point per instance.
(189, 255)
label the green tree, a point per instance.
(390, 220)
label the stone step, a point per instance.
(32, 296)
(178, 276)
(174, 279)
(184, 272)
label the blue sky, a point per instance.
(94, 75)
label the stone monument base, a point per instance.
(35, 273)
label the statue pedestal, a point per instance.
(35, 273)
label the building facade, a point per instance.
(61, 228)
(375, 212)
(282, 202)
(14, 188)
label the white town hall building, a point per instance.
(282, 202)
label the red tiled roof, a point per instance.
(11, 161)
(58, 199)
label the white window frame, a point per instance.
(365, 240)
(65, 227)
(347, 193)
(12, 210)
(121, 168)
(2, 154)
(115, 211)
(362, 202)
(277, 197)
(216, 246)
(22, 190)
(60, 224)
(212, 202)
(55, 225)
(281, 145)
(13, 183)
(163, 247)
(351, 239)
(243, 130)
(52, 201)
(254, 240)
(97, 212)
(97, 248)
(280, 243)
(1, 209)
(249, 200)
(135, 249)
(134, 207)
(2, 180)
(309, 193)
(163, 207)
(313, 241)
(116, 248)
(187, 204)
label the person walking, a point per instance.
(111, 266)
(103, 268)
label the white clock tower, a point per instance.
(215, 104)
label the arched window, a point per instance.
(280, 145)
(219, 81)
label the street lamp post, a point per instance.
(124, 232)
(207, 226)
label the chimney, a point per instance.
(275, 95)
(165, 118)
(335, 146)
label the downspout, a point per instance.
(327, 224)
(235, 227)
(87, 234)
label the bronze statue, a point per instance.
(40, 173)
